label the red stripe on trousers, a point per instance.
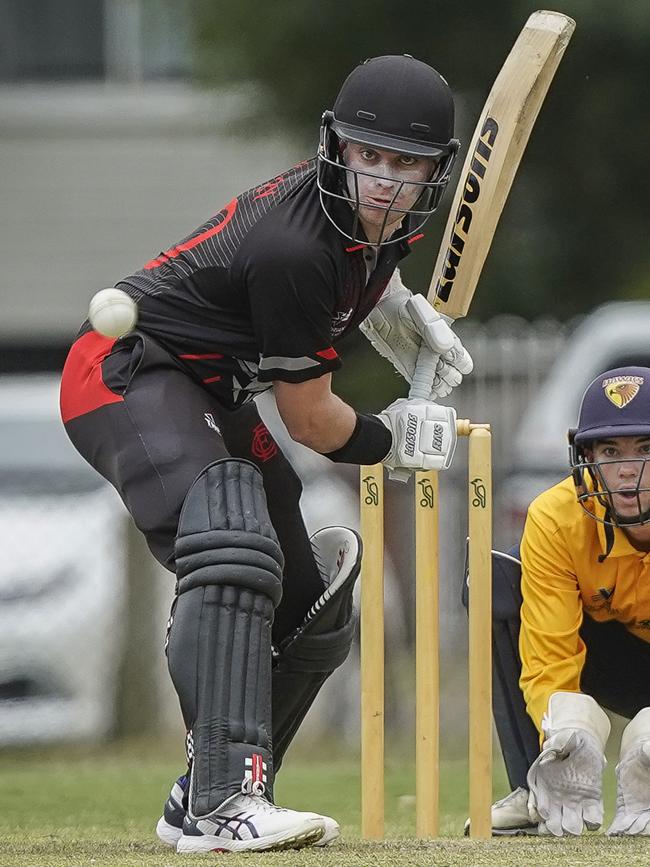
(82, 386)
(199, 357)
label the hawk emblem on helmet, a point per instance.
(620, 390)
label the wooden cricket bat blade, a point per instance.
(493, 157)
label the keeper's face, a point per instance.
(384, 180)
(623, 464)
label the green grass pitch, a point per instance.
(99, 805)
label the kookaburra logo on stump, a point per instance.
(620, 390)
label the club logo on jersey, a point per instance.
(340, 321)
(263, 446)
(620, 390)
(464, 215)
(211, 423)
(604, 595)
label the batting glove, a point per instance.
(401, 323)
(424, 435)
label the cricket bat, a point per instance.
(493, 156)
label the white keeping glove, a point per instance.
(566, 780)
(424, 435)
(401, 322)
(632, 817)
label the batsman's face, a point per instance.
(624, 467)
(384, 180)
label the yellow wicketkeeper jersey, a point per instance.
(561, 578)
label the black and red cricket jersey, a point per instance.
(261, 291)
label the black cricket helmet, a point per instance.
(394, 103)
(615, 404)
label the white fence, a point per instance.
(511, 358)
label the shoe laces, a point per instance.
(253, 787)
(256, 792)
(257, 804)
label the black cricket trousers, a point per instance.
(137, 416)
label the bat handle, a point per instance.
(425, 371)
(399, 475)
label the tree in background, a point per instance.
(574, 230)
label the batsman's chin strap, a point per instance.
(609, 537)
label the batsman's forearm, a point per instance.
(313, 415)
(324, 425)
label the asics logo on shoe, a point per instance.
(237, 827)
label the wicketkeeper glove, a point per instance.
(632, 816)
(401, 322)
(424, 435)
(565, 781)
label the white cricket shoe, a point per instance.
(170, 825)
(331, 832)
(249, 823)
(510, 816)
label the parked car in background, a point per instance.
(62, 575)
(613, 335)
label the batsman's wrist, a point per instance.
(369, 444)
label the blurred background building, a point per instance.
(123, 125)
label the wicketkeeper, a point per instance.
(571, 627)
(258, 297)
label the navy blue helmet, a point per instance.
(616, 404)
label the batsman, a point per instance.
(258, 297)
(571, 627)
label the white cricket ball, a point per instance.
(112, 312)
